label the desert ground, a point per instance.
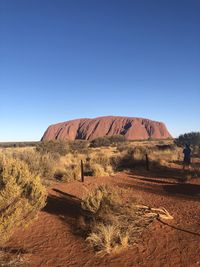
(52, 240)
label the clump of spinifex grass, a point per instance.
(112, 225)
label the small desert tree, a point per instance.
(21, 195)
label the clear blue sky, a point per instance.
(66, 59)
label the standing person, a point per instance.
(187, 156)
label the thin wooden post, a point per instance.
(82, 172)
(133, 161)
(147, 162)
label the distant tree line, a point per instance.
(192, 138)
(18, 144)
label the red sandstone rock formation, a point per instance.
(88, 129)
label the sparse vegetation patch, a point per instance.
(112, 224)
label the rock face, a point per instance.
(88, 129)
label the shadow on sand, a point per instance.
(68, 209)
(185, 189)
(172, 174)
(64, 204)
(171, 182)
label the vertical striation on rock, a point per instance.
(88, 129)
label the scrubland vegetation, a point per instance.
(60, 160)
(109, 224)
(21, 195)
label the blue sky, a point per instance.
(66, 59)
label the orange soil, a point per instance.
(52, 239)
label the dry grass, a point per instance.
(111, 224)
(165, 157)
(43, 165)
(107, 239)
(103, 161)
(10, 259)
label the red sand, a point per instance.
(53, 241)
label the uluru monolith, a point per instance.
(88, 129)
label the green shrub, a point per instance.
(192, 138)
(119, 138)
(100, 141)
(54, 147)
(107, 140)
(80, 146)
(21, 195)
(62, 148)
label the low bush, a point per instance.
(43, 165)
(101, 159)
(54, 147)
(21, 195)
(99, 142)
(123, 161)
(135, 157)
(122, 147)
(119, 138)
(97, 170)
(99, 164)
(107, 140)
(80, 146)
(101, 198)
(110, 223)
(69, 173)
